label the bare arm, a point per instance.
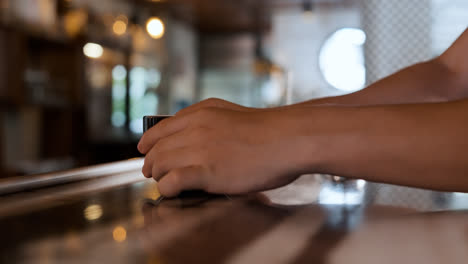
(423, 145)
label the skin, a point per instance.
(408, 129)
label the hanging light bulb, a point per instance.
(155, 27)
(308, 8)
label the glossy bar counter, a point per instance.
(109, 214)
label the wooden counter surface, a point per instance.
(115, 219)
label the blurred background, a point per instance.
(77, 76)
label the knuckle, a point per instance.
(212, 101)
(159, 167)
(147, 166)
(177, 177)
(143, 147)
(198, 134)
(144, 172)
(144, 169)
(155, 173)
(206, 115)
(161, 162)
(157, 152)
(167, 189)
(202, 157)
(201, 113)
(159, 145)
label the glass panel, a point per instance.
(119, 79)
(143, 97)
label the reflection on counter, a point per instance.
(93, 212)
(119, 234)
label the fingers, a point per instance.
(181, 120)
(198, 113)
(169, 160)
(148, 163)
(186, 178)
(163, 129)
(178, 140)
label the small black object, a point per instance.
(150, 121)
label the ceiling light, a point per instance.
(119, 27)
(93, 50)
(155, 27)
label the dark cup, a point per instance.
(150, 121)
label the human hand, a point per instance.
(220, 151)
(215, 103)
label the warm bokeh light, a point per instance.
(75, 21)
(119, 27)
(119, 234)
(93, 212)
(155, 27)
(151, 191)
(72, 241)
(93, 50)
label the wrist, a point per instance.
(299, 138)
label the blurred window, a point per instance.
(119, 79)
(341, 59)
(143, 96)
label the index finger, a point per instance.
(162, 129)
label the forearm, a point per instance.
(414, 145)
(431, 81)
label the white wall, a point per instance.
(449, 20)
(182, 48)
(227, 68)
(398, 35)
(296, 41)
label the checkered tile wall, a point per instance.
(398, 35)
